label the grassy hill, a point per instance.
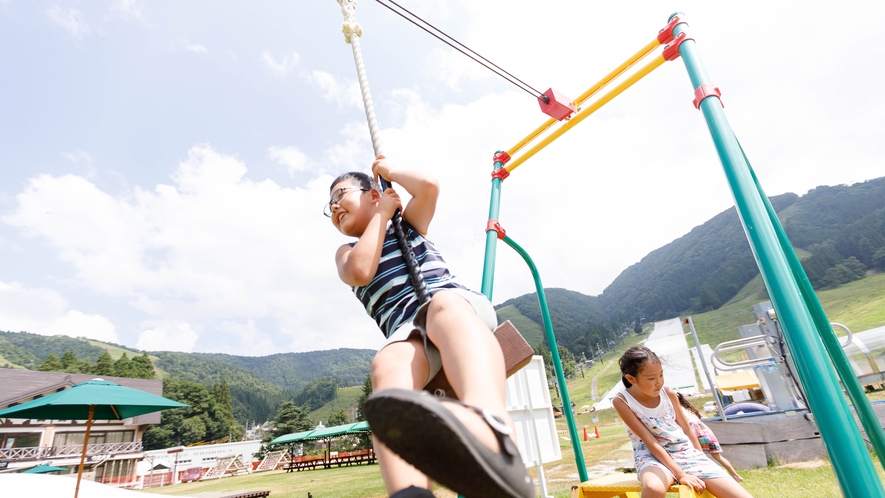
(859, 305)
(531, 331)
(347, 397)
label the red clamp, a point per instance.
(494, 225)
(704, 91)
(665, 35)
(501, 157)
(500, 173)
(671, 50)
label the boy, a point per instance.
(464, 446)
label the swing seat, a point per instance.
(517, 354)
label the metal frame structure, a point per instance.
(807, 331)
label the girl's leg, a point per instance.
(472, 360)
(655, 482)
(725, 463)
(726, 487)
(399, 365)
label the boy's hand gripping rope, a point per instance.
(352, 32)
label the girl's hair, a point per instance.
(688, 406)
(633, 360)
(364, 180)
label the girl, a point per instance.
(464, 446)
(664, 447)
(709, 443)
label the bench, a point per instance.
(622, 485)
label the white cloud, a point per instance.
(211, 248)
(195, 47)
(171, 336)
(46, 312)
(293, 159)
(283, 67)
(72, 20)
(130, 9)
(346, 94)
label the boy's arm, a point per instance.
(423, 188)
(358, 264)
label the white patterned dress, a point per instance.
(661, 422)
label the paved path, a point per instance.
(668, 342)
(594, 387)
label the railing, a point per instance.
(44, 452)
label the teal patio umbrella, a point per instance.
(43, 469)
(96, 399)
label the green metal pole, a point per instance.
(557, 365)
(488, 269)
(851, 461)
(862, 406)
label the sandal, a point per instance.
(416, 426)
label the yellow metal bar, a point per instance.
(587, 94)
(618, 71)
(577, 118)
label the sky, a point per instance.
(163, 165)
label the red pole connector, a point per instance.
(704, 91)
(671, 50)
(493, 225)
(665, 35)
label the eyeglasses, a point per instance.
(337, 195)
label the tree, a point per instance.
(142, 367)
(69, 362)
(123, 367)
(361, 402)
(290, 419)
(221, 394)
(638, 327)
(200, 421)
(879, 259)
(104, 366)
(51, 364)
(337, 418)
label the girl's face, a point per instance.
(649, 380)
(346, 200)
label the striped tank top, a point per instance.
(390, 299)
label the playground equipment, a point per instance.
(804, 324)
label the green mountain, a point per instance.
(578, 321)
(258, 385)
(843, 227)
(294, 370)
(838, 232)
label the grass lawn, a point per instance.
(612, 450)
(859, 305)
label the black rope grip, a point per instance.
(415, 275)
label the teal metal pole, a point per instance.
(851, 461)
(557, 364)
(488, 269)
(862, 406)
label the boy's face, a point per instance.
(347, 204)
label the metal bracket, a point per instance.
(704, 91)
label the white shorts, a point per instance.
(481, 305)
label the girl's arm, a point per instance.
(357, 264)
(423, 188)
(682, 420)
(651, 442)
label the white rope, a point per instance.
(352, 32)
